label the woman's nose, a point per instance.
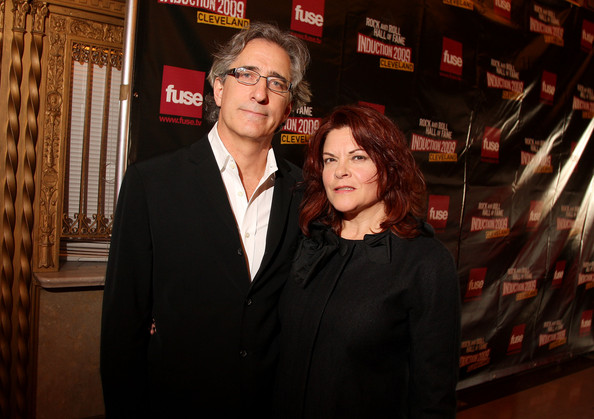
(341, 171)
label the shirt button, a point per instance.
(249, 302)
(247, 235)
(243, 353)
(240, 193)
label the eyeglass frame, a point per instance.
(233, 72)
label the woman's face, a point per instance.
(350, 176)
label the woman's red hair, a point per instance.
(400, 182)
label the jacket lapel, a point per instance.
(209, 187)
(213, 190)
(209, 184)
(282, 200)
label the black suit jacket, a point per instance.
(176, 259)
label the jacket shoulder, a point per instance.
(173, 162)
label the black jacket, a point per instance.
(369, 329)
(176, 258)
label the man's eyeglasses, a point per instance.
(251, 77)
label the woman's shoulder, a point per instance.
(425, 247)
(313, 252)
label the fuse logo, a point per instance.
(476, 283)
(182, 92)
(587, 35)
(502, 8)
(308, 17)
(490, 148)
(516, 339)
(187, 98)
(547, 87)
(438, 211)
(535, 215)
(380, 108)
(586, 323)
(558, 274)
(451, 59)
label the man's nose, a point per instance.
(260, 92)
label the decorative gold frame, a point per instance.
(34, 41)
(63, 32)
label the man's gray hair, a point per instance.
(295, 48)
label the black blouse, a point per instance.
(370, 328)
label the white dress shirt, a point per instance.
(252, 216)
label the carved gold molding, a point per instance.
(2, 10)
(39, 36)
(10, 239)
(109, 7)
(62, 32)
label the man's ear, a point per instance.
(288, 110)
(217, 91)
(286, 115)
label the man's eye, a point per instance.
(278, 83)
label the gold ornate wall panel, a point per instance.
(8, 191)
(36, 39)
(23, 238)
(17, 220)
(64, 32)
(104, 7)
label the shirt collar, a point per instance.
(224, 158)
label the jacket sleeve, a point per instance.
(435, 337)
(126, 317)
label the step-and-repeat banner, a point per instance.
(496, 98)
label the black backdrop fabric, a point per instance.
(496, 98)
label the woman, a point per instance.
(371, 314)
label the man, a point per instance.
(201, 247)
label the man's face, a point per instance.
(254, 112)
